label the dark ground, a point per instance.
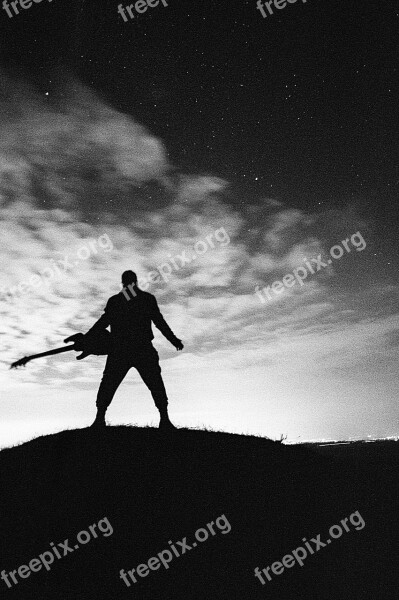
(153, 489)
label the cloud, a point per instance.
(71, 153)
(282, 226)
(78, 171)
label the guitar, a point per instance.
(97, 343)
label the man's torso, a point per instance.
(130, 320)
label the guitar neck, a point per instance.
(55, 351)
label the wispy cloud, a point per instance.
(77, 170)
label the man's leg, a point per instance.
(150, 372)
(113, 375)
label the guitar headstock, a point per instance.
(20, 363)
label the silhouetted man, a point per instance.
(130, 314)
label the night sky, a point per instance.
(282, 130)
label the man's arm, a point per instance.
(163, 327)
(102, 322)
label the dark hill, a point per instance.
(152, 489)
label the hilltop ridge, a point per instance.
(155, 489)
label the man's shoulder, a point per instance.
(120, 298)
(147, 295)
(147, 298)
(114, 300)
(115, 297)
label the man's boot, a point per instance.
(165, 424)
(99, 421)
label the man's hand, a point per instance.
(178, 344)
(77, 338)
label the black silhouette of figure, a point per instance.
(130, 314)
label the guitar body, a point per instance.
(97, 343)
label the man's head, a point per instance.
(129, 277)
